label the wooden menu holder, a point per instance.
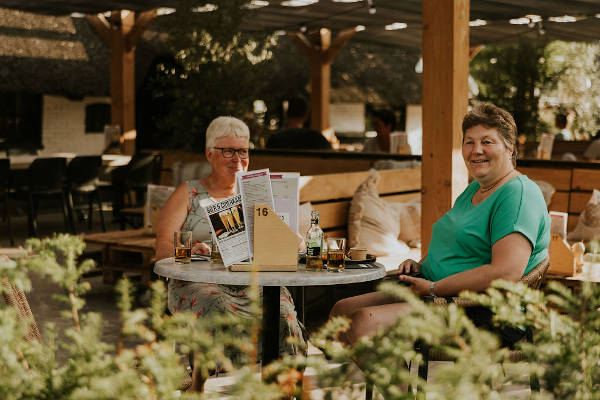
(562, 260)
(275, 243)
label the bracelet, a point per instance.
(432, 289)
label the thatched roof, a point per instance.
(342, 15)
(59, 55)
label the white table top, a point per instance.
(204, 271)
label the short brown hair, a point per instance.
(494, 117)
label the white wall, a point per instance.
(414, 128)
(63, 126)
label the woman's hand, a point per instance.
(200, 248)
(409, 266)
(419, 286)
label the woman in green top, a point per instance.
(498, 228)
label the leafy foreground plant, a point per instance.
(97, 370)
(564, 355)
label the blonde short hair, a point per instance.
(223, 127)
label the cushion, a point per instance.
(547, 191)
(409, 214)
(372, 222)
(304, 211)
(588, 226)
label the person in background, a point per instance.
(294, 135)
(560, 122)
(593, 150)
(498, 228)
(227, 142)
(384, 123)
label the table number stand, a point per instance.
(275, 243)
(562, 259)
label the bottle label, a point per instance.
(313, 251)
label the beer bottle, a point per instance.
(314, 244)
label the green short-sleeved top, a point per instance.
(463, 238)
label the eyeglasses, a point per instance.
(229, 152)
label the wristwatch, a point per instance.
(432, 289)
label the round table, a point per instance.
(204, 271)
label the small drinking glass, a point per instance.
(336, 254)
(215, 254)
(183, 246)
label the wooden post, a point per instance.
(445, 101)
(121, 33)
(320, 53)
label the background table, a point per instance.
(125, 251)
(203, 271)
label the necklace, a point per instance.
(487, 189)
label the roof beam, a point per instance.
(142, 23)
(101, 26)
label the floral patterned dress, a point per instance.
(204, 298)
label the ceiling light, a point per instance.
(478, 22)
(280, 32)
(303, 28)
(165, 11)
(208, 7)
(298, 3)
(597, 15)
(254, 4)
(564, 18)
(395, 26)
(519, 21)
(359, 28)
(77, 15)
(493, 60)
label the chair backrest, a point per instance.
(4, 173)
(14, 297)
(534, 278)
(47, 173)
(144, 168)
(83, 170)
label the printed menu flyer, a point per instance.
(228, 226)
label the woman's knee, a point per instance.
(342, 308)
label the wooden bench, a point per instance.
(331, 193)
(574, 186)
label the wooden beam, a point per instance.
(320, 52)
(101, 26)
(338, 44)
(445, 101)
(142, 23)
(122, 79)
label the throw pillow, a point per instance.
(547, 191)
(588, 226)
(372, 222)
(409, 214)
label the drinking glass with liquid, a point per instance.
(183, 246)
(336, 254)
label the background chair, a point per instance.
(143, 169)
(46, 179)
(82, 180)
(4, 191)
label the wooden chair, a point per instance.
(532, 279)
(14, 297)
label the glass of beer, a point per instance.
(335, 254)
(183, 246)
(215, 254)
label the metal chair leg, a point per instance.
(99, 200)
